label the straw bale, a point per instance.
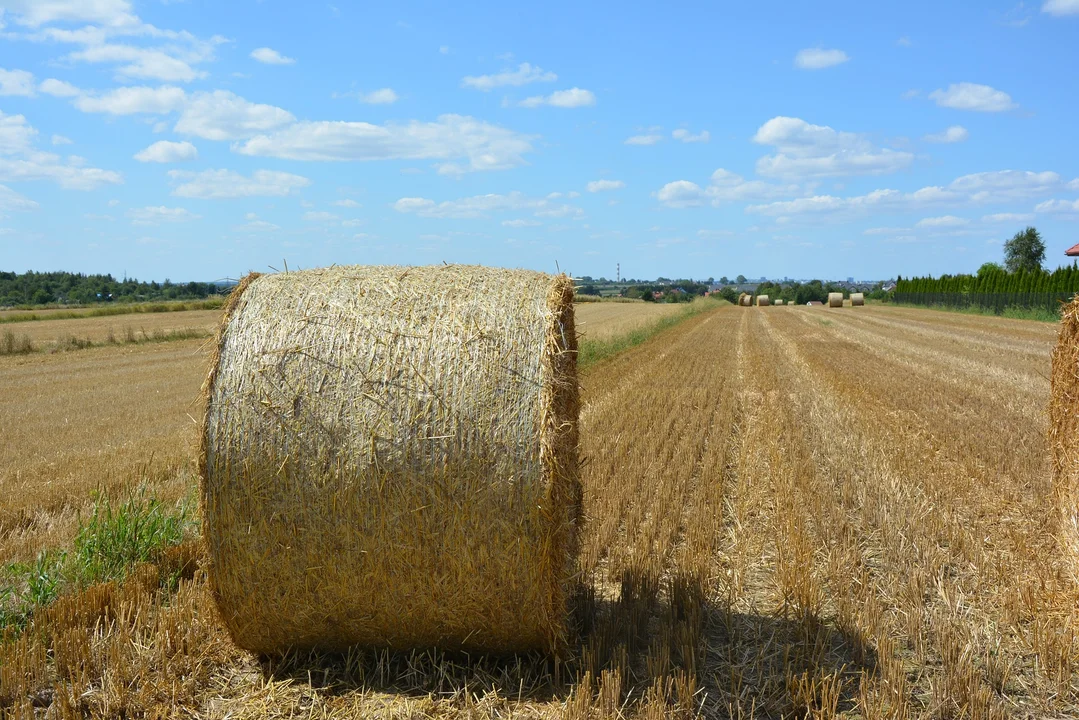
(762, 301)
(389, 459)
(835, 300)
(857, 299)
(745, 300)
(1064, 432)
(779, 302)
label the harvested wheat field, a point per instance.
(116, 329)
(786, 515)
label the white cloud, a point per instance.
(132, 100)
(1007, 185)
(140, 62)
(111, 13)
(521, 223)
(11, 200)
(523, 75)
(222, 184)
(270, 57)
(725, 186)
(1008, 217)
(954, 134)
(164, 151)
(383, 96)
(643, 139)
(885, 231)
(444, 49)
(16, 82)
(347, 202)
(160, 214)
(601, 185)
(485, 146)
(911, 94)
(944, 221)
(904, 41)
(1058, 206)
(1061, 7)
(58, 88)
(572, 98)
(20, 160)
(806, 150)
(481, 205)
(971, 96)
(978, 188)
(61, 140)
(818, 58)
(257, 226)
(222, 115)
(687, 137)
(319, 216)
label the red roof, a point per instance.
(1073, 251)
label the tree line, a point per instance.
(66, 288)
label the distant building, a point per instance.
(850, 279)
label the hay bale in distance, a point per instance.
(857, 299)
(389, 459)
(745, 300)
(779, 302)
(763, 301)
(835, 300)
(1064, 432)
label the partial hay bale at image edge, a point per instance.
(1064, 432)
(389, 459)
(835, 300)
(857, 299)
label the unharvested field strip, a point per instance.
(54, 314)
(100, 329)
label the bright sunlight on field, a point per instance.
(786, 515)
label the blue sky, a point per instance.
(199, 139)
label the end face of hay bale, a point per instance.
(763, 301)
(835, 300)
(857, 299)
(389, 458)
(1064, 432)
(779, 302)
(745, 300)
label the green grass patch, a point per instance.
(590, 352)
(109, 543)
(1015, 313)
(120, 309)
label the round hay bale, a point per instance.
(857, 299)
(780, 302)
(389, 459)
(763, 301)
(835, 300)
(745, 300)
(1064, 432)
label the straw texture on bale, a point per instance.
(857, 299)
(835, 300)
(762, 301)
(1064, 432)
(389, 459)
(779, 302)
(745, 300)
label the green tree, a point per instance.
(740, 279)
(1025, 251)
